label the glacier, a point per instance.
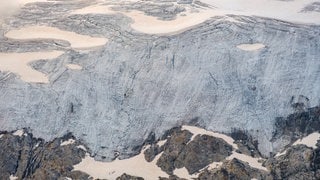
(141, 83)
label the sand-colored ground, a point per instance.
(77, 41)
(18, 64)
(136, 166)
(310, 140)
(74, 67)
(251, 47)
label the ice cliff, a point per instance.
(227, 72)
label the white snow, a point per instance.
(253, 162)
(161, 143)
(18, 64)
(82, 147)
(12, 177)
(24, 2)
(19, 132)
(70, 141)
(37, 145)
(281, 153)
(214, 165)
(310, 140)
(282, 10)
(251, 47)
(199, 131)
(152, 25)
(1, 135)
(9, 7)
(77, 41)
(183, 173)
(74, 67)
(136, 166)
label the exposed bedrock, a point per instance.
(203, 154)
(137, 83)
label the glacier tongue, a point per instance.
(138, 83)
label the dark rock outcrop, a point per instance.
(175, 145)
(299, 162)
(298, 125)
(202, 151)
(180, 151)
(234, 169)
(26, 157)
(128, 177)
(247, 145)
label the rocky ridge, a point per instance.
(186, 152)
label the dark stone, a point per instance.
(152, 152)
(298, 125)
(299, 162)
(29, 158)
(128, 177)
(202, 151)
(247, 145)
(234, 169)
(176, 143)
(194, 155)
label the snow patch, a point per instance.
(136, 166)
(82, 147)
(161, 143)
(153, 25)
(77, 41)
(310, 140)
(214, 165)
(70, 141)
(74, 67)
(12, 177)
(251, 47)
(283, 10)
(37, 145)
(18, 64)
(253, 162)
(199, 131)
(19, 133)
(281, 153)
(183, 173)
